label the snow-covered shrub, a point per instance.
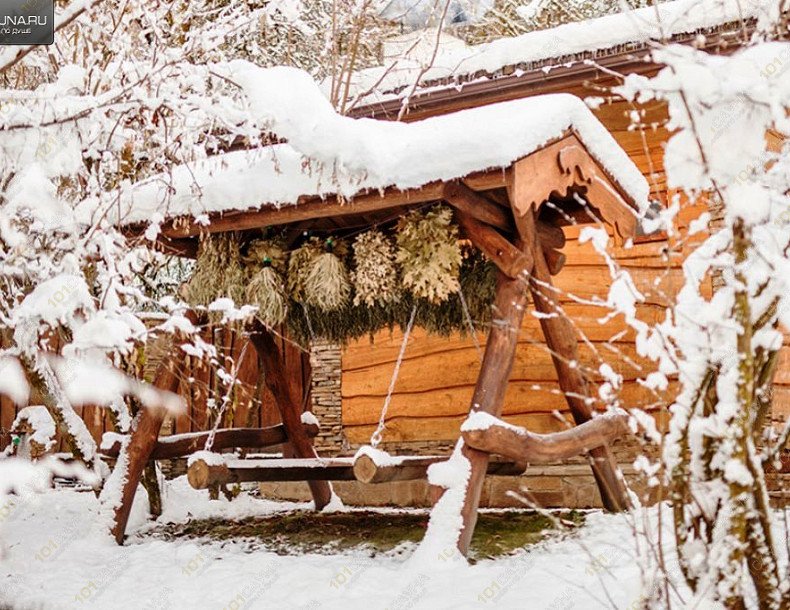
(724, 348)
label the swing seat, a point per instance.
(205, 473)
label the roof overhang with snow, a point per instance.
(562, 173)
(337, 173)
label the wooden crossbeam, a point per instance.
(202, 475)
(367, 470)
(478, 207)
(519, 443)
(183, 445)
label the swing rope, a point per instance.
(227, 398)
(472, 330)
(375, 438)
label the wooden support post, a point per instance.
(562, 341)
(289, 404)
(145, 433)
(508, 313)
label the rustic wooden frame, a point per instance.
(526, 253)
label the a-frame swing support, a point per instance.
(142, 444)
(509, 307)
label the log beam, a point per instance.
(366, 470)
(509, 260)
(520, 444)
(183, 445)
(555, 260)
(289, 405)
(473, 204)
(202, 475)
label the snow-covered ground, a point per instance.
(55, 558)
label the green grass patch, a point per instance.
(496, 534)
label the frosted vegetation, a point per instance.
(134, 90)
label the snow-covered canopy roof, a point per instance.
(565, 43)
(329, 155)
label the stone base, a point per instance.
(568, 486)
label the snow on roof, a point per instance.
(331, 154)
(653, 23)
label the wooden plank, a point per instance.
(522, 397)
(533, 363)
(385, 345)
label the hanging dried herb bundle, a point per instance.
(300, 261)
(266, 288)
(429, 254)
(218, 271)
(477, 277)
(375, 274)
(327, 286)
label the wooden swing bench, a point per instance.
(500, 211)
(204, 474)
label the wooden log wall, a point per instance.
(253, 404)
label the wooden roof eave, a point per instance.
(553, 75)
(561, 166)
